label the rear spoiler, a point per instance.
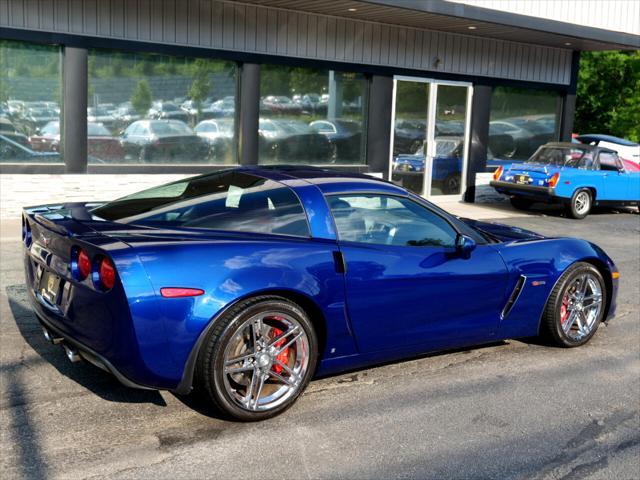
(65, 219)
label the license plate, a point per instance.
(522, 179)
(49, 287)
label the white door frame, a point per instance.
(430, 133)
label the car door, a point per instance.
(405, 284)
(616, 181)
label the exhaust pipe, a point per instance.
(51, 338)
(72, 355)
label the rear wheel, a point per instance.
(576, 306)
(580, 205)
(521, 203)
(258, 358)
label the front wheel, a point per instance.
(258, 358)
(580, 205)
(576, 306)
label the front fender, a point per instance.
(541, 263)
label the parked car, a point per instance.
(101, 114)
(219, 134)
(345, 137)
(12, 151)
(578, 176)
(9, 131)
(292, 141)
(281, 105)
(626, 149)
(311, 103)
(101, 145)
(225, 107)
(249, 282)
(446, 171)
(408, 136)
(167, 111)
(124, 116)
(162, 141)
(36, 118)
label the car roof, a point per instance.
(597, 137)
(328, 181)
(584, 146)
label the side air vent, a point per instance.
(513, 298)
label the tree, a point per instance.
(142, 97)
(608, 94)
(201, 84)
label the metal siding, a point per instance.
(223, 24)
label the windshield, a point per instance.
(563, 157)
(170, 128)
(97, 129)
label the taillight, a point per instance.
(84, 265)
(498, 173)
(106, 274)
(553, 181)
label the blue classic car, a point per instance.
(447, 164)
(578, 176)
(246, 283)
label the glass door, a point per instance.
(430, 136)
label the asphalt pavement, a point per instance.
(516, 409)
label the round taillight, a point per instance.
(107, 274)
(84, 264)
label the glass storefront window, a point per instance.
(30, 100)
(521, 120)
(310, 116)
(158, 109)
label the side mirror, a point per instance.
(465, 245)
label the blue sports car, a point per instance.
(578, 176)
(245, 283)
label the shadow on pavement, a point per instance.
(92, 378)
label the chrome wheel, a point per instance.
(265, 361)
(582, 203)
(581, 306)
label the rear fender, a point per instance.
(231, 271)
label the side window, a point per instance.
(608, 162)
(388, 220)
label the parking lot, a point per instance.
(517, 409)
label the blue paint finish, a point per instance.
(392, 302)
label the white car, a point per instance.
(626, 149)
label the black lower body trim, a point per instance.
(93, 357)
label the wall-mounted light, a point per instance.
(352, 9)
(471, 27)
(436, 62)
(568, 44)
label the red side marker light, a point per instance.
(177, 292)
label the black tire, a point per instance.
(210, 376)
(451, 184)
(551, 323)
(521, 203)
(575, 208)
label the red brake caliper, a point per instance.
(563, 308)
(283, 357)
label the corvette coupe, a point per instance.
(244, 284)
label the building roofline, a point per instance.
(615, 39)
